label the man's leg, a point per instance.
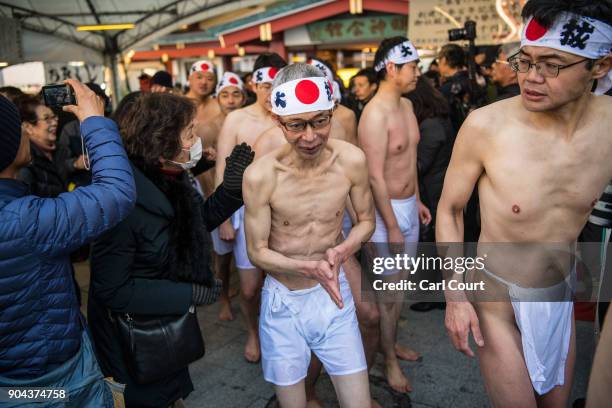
(352, 390)
(502, 363)
(559, 395)
(600, 381)
(222, 268)
(250, 287)
(291, 396)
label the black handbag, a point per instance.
(156, 347)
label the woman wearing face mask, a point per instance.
(156, 262)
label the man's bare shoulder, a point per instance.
(349, 154)
(269, 140)
(603, 104)
(345, 114)
(259, 173)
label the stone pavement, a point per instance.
(444, 377)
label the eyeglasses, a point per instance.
(48, 119)
(497, 61)
(546, 69)
(296, 126)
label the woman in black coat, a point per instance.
(156, 262)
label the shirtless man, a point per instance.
(389, 134)
(541, 160)
(230, 96)
(244, 125)
(294, 199)
(202, 80)
(367, 312)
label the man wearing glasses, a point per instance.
(541, 161)
(295, 198)
(502, 73)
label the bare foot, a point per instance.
(252, 353)
(396, 378)
(314, 403)
(405, 353)
(225, 311)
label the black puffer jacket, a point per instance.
(43, 176)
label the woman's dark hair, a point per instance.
(454, 55)
(383, 51)
(269, 59)
(434, 76)
(11, 92)
(124, 107)
(26, 105)
(427, 101)
(547, 11)
(151, 127)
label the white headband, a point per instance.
(265, 74)
(202, 66)
(571, 33)
(328, 74)
(400, 54)
(229, 79)
(302, 95)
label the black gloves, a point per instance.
(235, 164)
(202, 295)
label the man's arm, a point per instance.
(413, 129)
(362, 203)
(373, 140)
(225, 143)
(257, 189)
(465, 168)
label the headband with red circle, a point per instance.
(265, 74)
(202, 66)
(302, 95)
(229, 79)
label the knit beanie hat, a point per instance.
(10, 132)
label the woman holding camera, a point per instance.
(155, 264)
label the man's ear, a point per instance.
(275, 119)
(601, 67)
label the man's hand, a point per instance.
(88, 103)
(395, 240)
(327, 276)
(227, 231)
(235, 164)
(79, 163)
(424, 213)
(459, 320)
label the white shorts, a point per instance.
(221, 246)
(347, 224)
(240, 247)
(407, 215)
(294, 323)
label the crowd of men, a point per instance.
(530, 148)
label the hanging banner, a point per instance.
(357, 29)
(57, 72)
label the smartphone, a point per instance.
(59, 95)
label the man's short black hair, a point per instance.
(369, 73)
(547, 11)
(269, 59)
(383, 51)
(454, 55)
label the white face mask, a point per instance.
(195, 154)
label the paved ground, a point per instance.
(444, 377)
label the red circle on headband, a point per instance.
(307, 92)
(272, 72)
(534, 30)
(233, 80)
(204, 66)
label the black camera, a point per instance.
(59, 95)
(468, 32)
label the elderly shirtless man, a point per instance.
(243, 126)
(541, 160)
(295, 197)
(389, 134)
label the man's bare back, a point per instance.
(402, 137)
(307, 205)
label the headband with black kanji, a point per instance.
(265, 74)
(328, 74)
(400, 54)
(302, 95)
(202, 66)
(229, 79)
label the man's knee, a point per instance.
(369, 317)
